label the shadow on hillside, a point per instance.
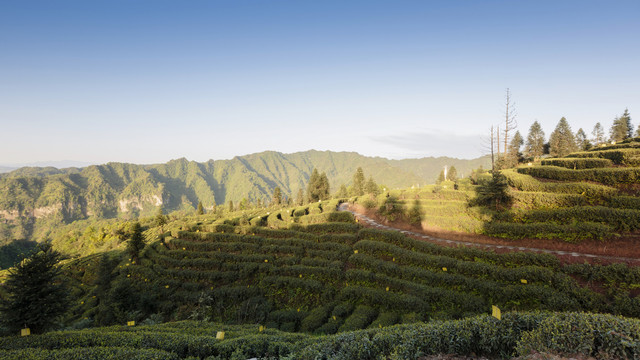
(13, 252)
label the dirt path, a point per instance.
(367, 221)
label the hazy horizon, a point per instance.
(145, 82)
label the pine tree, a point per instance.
(495, 192)
(277, 196)
(581, 140)
(300, 197)
(358, 183)
(230, 206)
(535, 141)
(441, 177)
(323, 187)
(313, 186)
(622, 128)
(36, 296)
(200, 210)
(371, 187)
(343, 192)
(136, 242)
(452, 174)
(160, 220)
(598, 134)
(562, 141)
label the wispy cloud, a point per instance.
(436, 143)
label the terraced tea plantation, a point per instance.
(586, 195)
(297, 282)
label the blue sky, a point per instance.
(149, 81)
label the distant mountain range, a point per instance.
(32, 195)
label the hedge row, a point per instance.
(607, 176)
(524, 182)
(545, 200)
(579, 163)
(624, 156)
(617, 219)
(516, 334)
(570, 232)
(512, 259)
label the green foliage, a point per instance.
(561, 140)
(136, 243)
(36, 297)
(578, 163)
(541, 230)
(621, 128)
(415, 213)
(357, 189)
(624, 156)
(318, 187)
(494, 193)
(606, 176)
(534, 147)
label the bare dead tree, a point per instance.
(510, 122)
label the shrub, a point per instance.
(579, 163)
(571, 233)
(361, 317)
(607, 176)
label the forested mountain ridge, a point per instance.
(33, 196)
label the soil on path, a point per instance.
(626, 249)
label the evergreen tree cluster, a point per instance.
(318, 187)
(563, 140)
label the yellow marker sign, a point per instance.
(220, 335)
(394, 259)
(261, 328)
(265, 260)
(184, 248)
(298, 309)
(380, 326)
(387, 288)
(495, 312)
(166, 286)
(25, 332)
(131, 323)
(444, 269)
(355, 251)
(334, 317)
(301, 275)
(523, 281)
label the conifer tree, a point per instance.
(136, 242)
(277, 196)
(562, 141)
(535, 141)
(495, 192)
(622, 128)
(358, 183)
(441, 177)
(230, 206)
(36, 296)
(200, 210)
(598, 134)
(342, 192)
(371, 187)
(581, 140)
(300, 197)
(452, 173)
(160, 220)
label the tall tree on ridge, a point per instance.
(598, 134)
(581, 140)
(358, 182)
(562, 141)
(277, 196)
(621, 128)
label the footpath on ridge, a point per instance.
(367, 221)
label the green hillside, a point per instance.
(586, 195)
(306, 273)
(33, 201)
